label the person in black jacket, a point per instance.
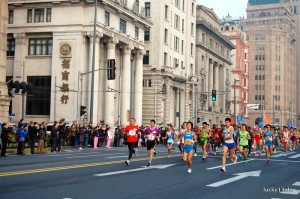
(54, 136)
(32, 132)
(61, 136)
(4, 138)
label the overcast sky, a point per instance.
(235, 8)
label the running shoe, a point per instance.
(127, 163)
(80, 148)
(235, 160)
(259, 154)
(269, 161)
(149, 164)
(181, 153)
(189, 170)
(223, 170)
(241, 157)
(155, 153)
(203, 157)
(136, 153)
(195, 154)
(169, 156)
(284, 155)
(254, 154)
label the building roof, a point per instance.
(262, 2)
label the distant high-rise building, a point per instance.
(4, 99)
(271, 34)
(233, 29)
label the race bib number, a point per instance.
(188, 142)
(268, 138)
(204, 135)
(244, 139)
(151, 137)
(132, 132)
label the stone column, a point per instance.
(138, 83)
(210, 82)
(110, 111)
(216, 85)
(125, 103)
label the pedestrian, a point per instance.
(41, 138)
(228, 144)
(62, 135)
(80, 134)
(189, 137)
(109, 137)
(54, 137)
(96, 137)
(20, 137)
(4, 137)
(152, 134)
(131, 130)
(32, 132)
(72, 134)
(86, 132)
(117, 137)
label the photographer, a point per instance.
(20, 135)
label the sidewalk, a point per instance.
(26, 150)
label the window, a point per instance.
(106, 18)
(48, 15)
(39, 15)
(10, 47)
(122, 26)
(29, 16)
(147, 35)
(177, 21)
(177, 3)
(147, 9)
(165, 59)
(182, 25)
(136, 31)
(40, 46)
(182, 66)
(39, 103)
(166, 11)
(146, 57)
(193, 8)
(182, 46)
(176, 43)
(183, 5)
(192, 29)
(166, 36)
(10, 16)
(203, 38)
(192, 49)
(147, 83)
(176, 62)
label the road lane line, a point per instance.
(296, 184)
(295, 156)
(211, 168)
(281, 155)
(14, 173)
(274, 160)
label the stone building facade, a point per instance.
(272, 61)
(169, 62)
(50, 44)
(213, 52)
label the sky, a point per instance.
(235, 8)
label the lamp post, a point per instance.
(234, 98)
(273, 117)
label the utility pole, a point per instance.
(273, 111)
(234, 96)
(23, 95)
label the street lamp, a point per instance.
(234, 98)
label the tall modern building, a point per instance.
(4, 99)
(233, 29)
(271, 34)
(213, 71)
(52, 45)
(169, 62)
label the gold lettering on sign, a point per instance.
(65, 75)
(64, 99)
(65, 88)
(66, 63)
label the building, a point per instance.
(294, 6)
(50, 44)
(4, 99)
(271, 34)
(169, 62)
(233, 29)
(213, 69)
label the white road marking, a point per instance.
(295, 156)
(87, 155)
(229, 164)
(281, 155)
(293, 192)
(296, 184)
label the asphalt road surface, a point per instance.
(102, 173)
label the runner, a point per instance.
(197, 132)
(204, 135)
(276, 139)
(151, 133)
(250, 141)
(285, 139)
(228, 144)
(297, 138)
(132, 130)
(170, 139)
(243, 138)
(268, 135)
(257, 139)
(180, 141)
(188, 136)
(216, 140)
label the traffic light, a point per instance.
(198, 119)
(111, 69)
(214, 95)
(82, 110)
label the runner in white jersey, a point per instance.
(170, 139)
(228, 144)
(285, 139)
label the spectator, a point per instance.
(32, 132)
(72, 134)
(117, 137)
(87, 132)
(54, 131)
(109, 137)
(41, 138)
(4, 137)
(20, 137)
(62, 136)
(96, 134)
(80, 136)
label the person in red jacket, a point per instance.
(132, 131)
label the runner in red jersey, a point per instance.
(132, 131)
(257, 139)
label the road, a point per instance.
(101, 173)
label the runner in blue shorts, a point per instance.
(268, 135)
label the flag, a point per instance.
(267, 119)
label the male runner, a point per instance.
(204, 135)
(132, 131)
(151, 133)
